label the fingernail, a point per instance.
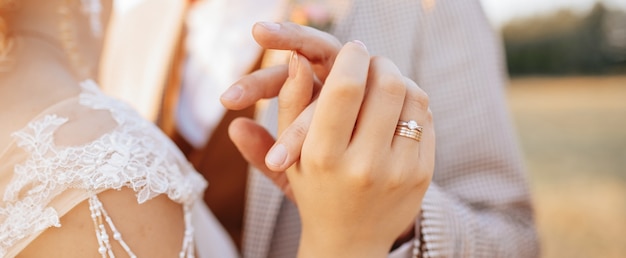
(277, 155)
(271, 26)
(293, 64)
(233, 93)
(360, 43)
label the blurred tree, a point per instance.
(566, 43)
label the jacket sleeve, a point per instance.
(478, 204)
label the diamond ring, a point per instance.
(409, 129)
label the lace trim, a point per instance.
(134, 155)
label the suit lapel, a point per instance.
(263, 199)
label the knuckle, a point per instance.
(292, 26)
(247, 81)
(297, 30)
(428, 116)
(420, 177)
(399, 177)
(319, 160)
(408, 172)
(290, 98)
(385, 75)
(361, 178)
(333, 41)
(392, 84)
(296, 132)
(362, 174)
(286, 103)
(396, 182)
(328, 57)
(420, 99)
(380, 61)
(326, 37)
(346, 88)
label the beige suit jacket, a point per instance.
(478, 204)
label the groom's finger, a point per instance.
(319, 47)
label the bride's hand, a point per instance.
(254, 141)
(357, 184)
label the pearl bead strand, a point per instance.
(99, 217)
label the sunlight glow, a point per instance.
(502, 11)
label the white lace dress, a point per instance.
(66, 156)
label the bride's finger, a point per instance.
(415, 112)
(339, 102)
(382, 106)
(264, 83)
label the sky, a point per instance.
(501, 11)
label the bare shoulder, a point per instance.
(96, 144)
(151, 229)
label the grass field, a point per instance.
(573, 132)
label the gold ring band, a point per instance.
(409, 129)
(408, 133)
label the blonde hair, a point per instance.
(5, 37)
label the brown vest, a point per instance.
(226, 170)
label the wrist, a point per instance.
(405, 237)
(409, 234)
(330, 245)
